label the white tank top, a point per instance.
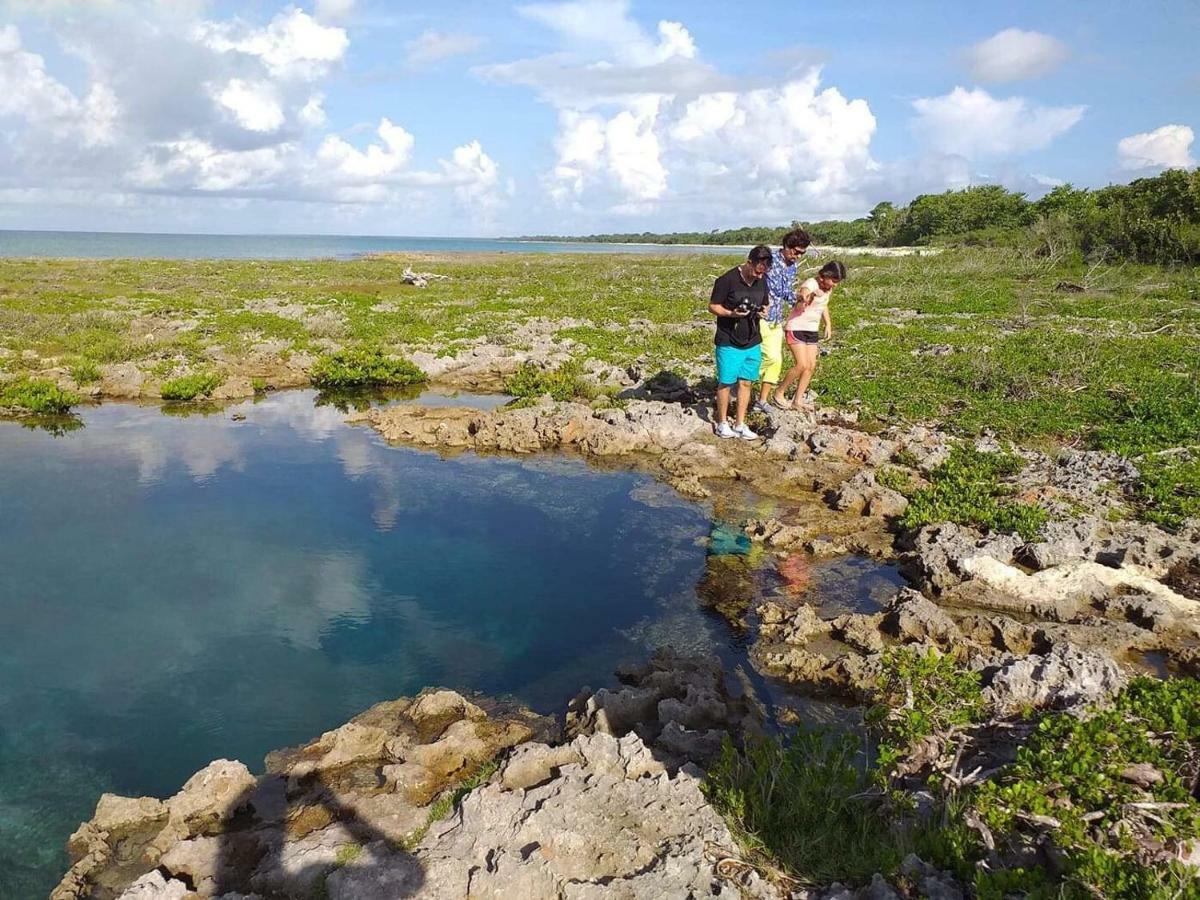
(810, 318)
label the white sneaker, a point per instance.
(725, 431)
(743, 431)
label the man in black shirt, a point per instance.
(738, 298)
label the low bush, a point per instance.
(189, 387)
(85, 372)
(364, 366)
(967, 489)
(36, 395)
(563, 383)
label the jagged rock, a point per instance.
(1152, 613)
(1061, 542)
(914, 619)
(614, 823)
(680, 705)
(851, 675)
(942, 552)
(790, 625)
(153, 886)
(862, 494)
(1064, 678)
(930, 882)
(999, 632)
(860, 631)
(1060, 592)
(851, 444)
(282, 833)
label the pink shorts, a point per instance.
(802, 337)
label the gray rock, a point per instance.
(1064, 678)
(942, 551)
(913, 618)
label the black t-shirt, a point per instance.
(731, 291)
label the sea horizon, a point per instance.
(70, 244)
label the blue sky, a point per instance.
(370, 117)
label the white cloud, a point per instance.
(333, 10)
(432, 47)
(1163, 148)
(254, 105)
(224, 109)
(377, 161)
(1015, 55)
(976, 125)
(292, 45)
(608, 57)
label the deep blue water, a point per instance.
(114, 245)
(174, 590)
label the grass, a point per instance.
(449, 799)
(191, 386)
(36, 395)
(967, 339)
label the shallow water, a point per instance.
(178, 589)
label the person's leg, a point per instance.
(807, 365)
(726, 376)
(772, 358)
(750, 366)
(745, 392)
(792, 374)
(722, 402)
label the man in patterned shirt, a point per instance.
(781, 287)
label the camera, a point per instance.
(745, 306)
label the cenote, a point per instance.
(179, 589)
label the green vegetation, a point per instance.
(967, 489)
(36, 395)
(85, 372)
(968, 339)
(922, 695)
(191, 386)
(805, 808)
(360, 366)
(449, 799)
(1113, 792)
(563, 383)
(1153, 220)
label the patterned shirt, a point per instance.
(781, 280)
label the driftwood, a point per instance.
(420, 279)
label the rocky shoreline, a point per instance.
(448, 796)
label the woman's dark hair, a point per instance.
(834, 270)
(797, 237)
(761, 253)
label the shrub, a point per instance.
(966, 489)
(85, 372)
(36, 395)
(189, 387)
(922, 695)
(1069, 785)
(363, 366)
(564, 383)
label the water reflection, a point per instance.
(174, 590)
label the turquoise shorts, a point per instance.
(738, 364)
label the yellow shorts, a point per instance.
(772, 352)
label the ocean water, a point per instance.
(175, 589)
(114, 245)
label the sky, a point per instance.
(487, 119)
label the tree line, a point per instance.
(1155, 220)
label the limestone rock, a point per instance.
(796, 625)
(672, 703)
(860, 631)
(1064, 678)
(914, 619)
(862, 494)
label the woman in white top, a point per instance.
(802, 331)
